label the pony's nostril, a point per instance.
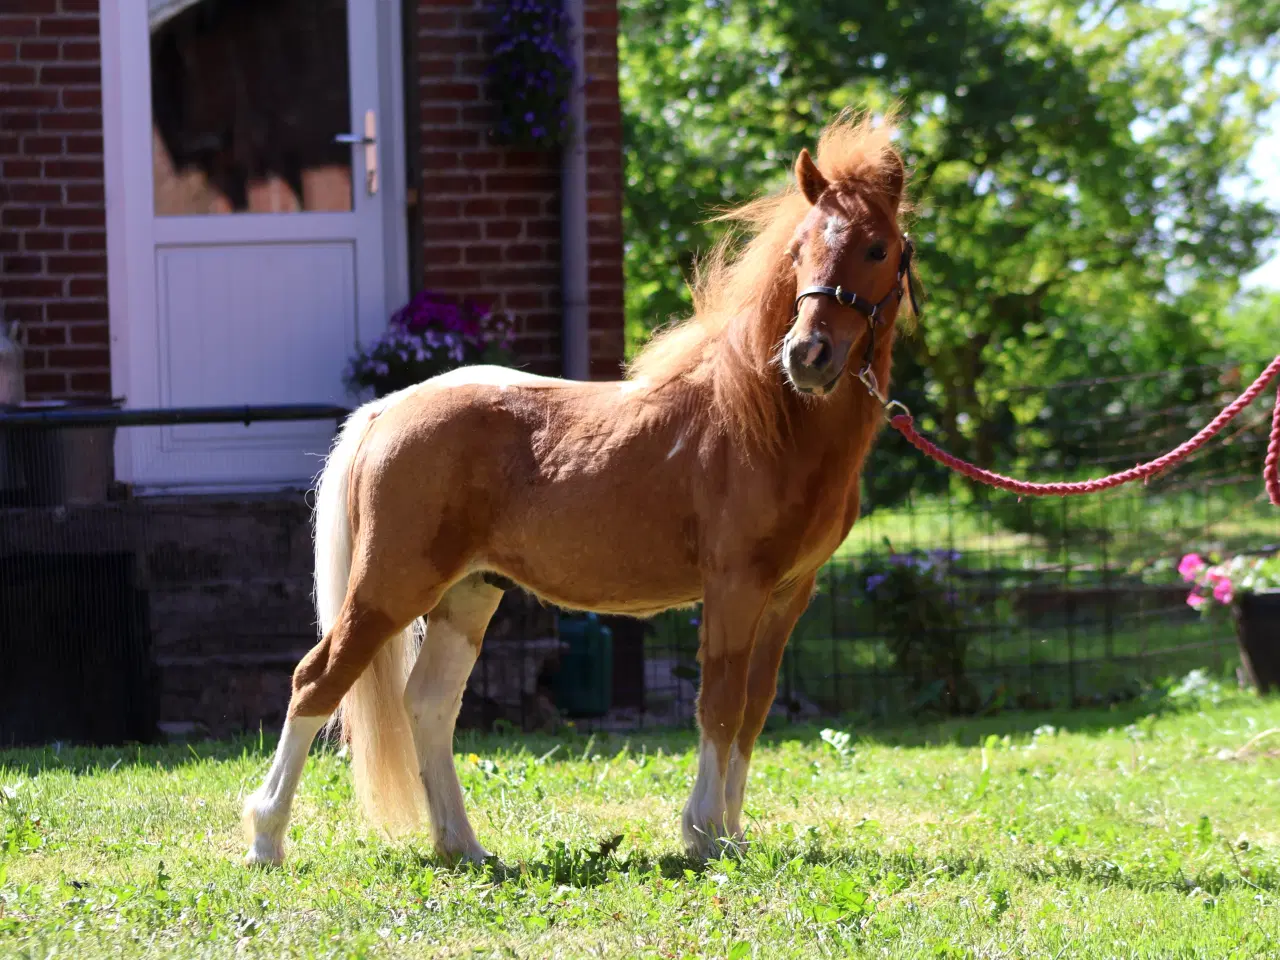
(821, 356)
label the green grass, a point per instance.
(1122, 833)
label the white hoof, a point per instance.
(704, 839)
(474, 854)
(264, 852)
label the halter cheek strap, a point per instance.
(870, 310)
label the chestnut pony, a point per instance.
(723, 470)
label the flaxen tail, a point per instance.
(372, 718)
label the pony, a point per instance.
(724, 468)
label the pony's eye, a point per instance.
(877, 251)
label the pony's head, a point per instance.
(851, 259)
(836, 226)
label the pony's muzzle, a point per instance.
(813, 362)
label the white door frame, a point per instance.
(131, 234)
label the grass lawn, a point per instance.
(1121, 833)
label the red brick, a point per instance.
(432, 19)
(97, 383)
(59, 74)
(22, 121)
(86, 193)
(35, 193)
(75, 217)
(526, 253)
(440, 160)
(88, 287)
(482, 207)
(77, 310)
(444, 114)
(38, 51)
(80, 6)
(37, 145)
(30, 288)
(523, 206)
(85, 145)
(81, 98)
(23, 265)
(526, 300)
(79, 51)
(20, 169)
(46, 384)
(79, 357)
(87, 240)
(434, 209)
(73, 169)
(46, 334)
(19, 26)
(444, 90)
(503, 229)
(521, 182)
(11, 216)
(69, 263)
(444, 255)
(68, 27)
(44, 240)
(32, 8)
(12, 75)
(90, 333)
(70, 121)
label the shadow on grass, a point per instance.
(961, 731)
(586, 867)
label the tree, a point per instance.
(1077, 173)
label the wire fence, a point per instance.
(132, 618)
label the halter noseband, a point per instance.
(870, 310)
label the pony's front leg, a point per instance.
(731, 616)
(784, 609)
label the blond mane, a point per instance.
(743, 292)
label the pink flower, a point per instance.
(1191, 565)
(1195, 601)
(1222, 591)
(1215, 575)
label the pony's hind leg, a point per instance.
(266, 813)
(433, 696)
(321, 679)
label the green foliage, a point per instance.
(1077, 172)
(912, 600)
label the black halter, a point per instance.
(870, 310)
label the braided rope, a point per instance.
(905, 425)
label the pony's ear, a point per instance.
(895, 177)
(812, 182)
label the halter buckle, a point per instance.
(868, 378)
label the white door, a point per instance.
(248, 221)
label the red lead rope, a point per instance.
(904, 424)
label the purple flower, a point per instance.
(875, 580)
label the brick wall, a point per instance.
(53, 261)
(490, 215)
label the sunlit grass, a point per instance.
(1137, 832)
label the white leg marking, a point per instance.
(735, 789)
(433, 697)
(266, 812)
(704, 813)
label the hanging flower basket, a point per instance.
(428, 336)
(531, 73)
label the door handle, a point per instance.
(368, 140)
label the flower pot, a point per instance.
(1258, 634)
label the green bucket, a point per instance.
(584, 683)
